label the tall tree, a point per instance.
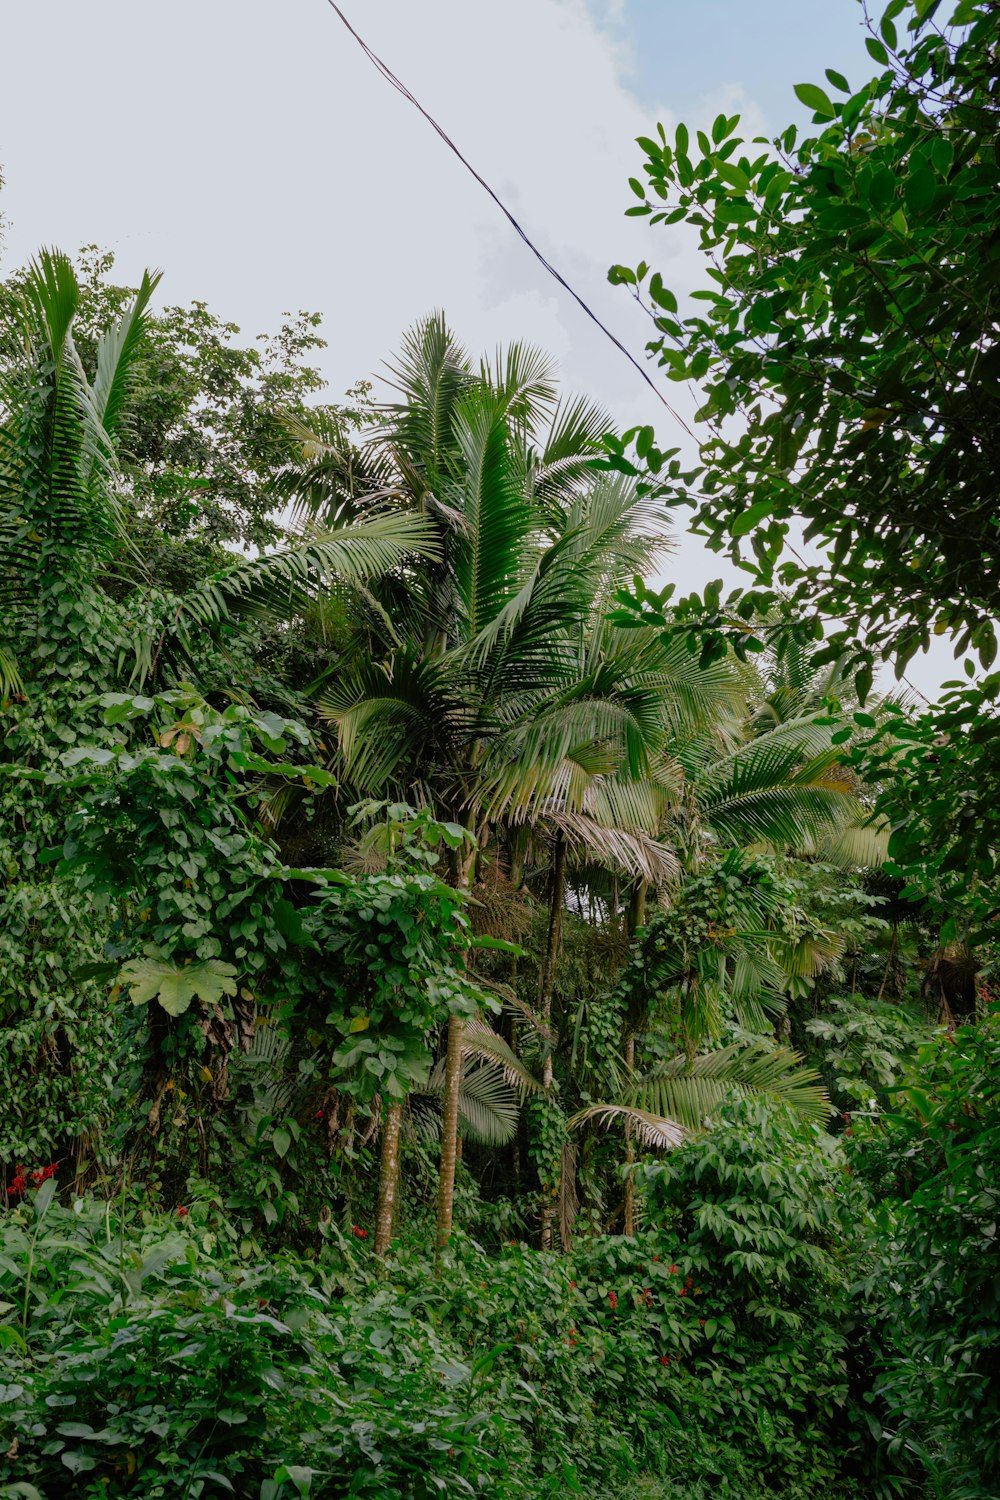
(846, 345)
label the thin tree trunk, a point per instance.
(557, 897)
(449, 1131)
(888, 963)
(636, 908)
(630, 1148)
(388, 1177)
(452, 1085)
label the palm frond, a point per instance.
(481, 1041)
(10, 679)
(286, 582)
(116, 353)
(862, 844)
(523, 376)
(634, 855)
(655, 1132)
(431, 373)
(690, 1090)
(488, 1106)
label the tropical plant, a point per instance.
(933, 1162)
(496, 687)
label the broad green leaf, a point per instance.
(751, 517)
(44, 1197)
(176, 986)
(814, 98)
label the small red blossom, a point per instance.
(674, 1270)
(358, 1232)
(664, 1359)
(683, 1291)
(647, 1296)
(702, 1322)
(22, 1179)
(612, 1300)
(656, 1257)
(689, 1282)
(319, 1115)
(182, 1212)
(573, 1285)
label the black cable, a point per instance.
(401, 88)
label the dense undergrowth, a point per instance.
(146, 1354)
(763, 1335)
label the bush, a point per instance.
(936, 1163)
(140, 1366)
(758, 1229)
(155, 1362)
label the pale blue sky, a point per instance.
(685, 50)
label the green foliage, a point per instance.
(148, 1357)
(935, 1162)
(727, 952)
(755, 1210)
(59, 1042)
(847, 354)
(173, 986)
(163, 824)
(863, 1047)
(393, 949)
(160, 1371)
(203, 422)
(235, 1001)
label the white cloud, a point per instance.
(250, 150)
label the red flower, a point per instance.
(358, 1232)
(701, 1322)
(690, 1281)
(683, 1291)
(17, 1186)
(182, 1213)
(573, 1285)
(647, 1296)
(664, 1359)
(612, 1300)
(319, 1114)
(674, 1270)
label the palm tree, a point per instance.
(488, 678)
(488, 681)
(770, 780)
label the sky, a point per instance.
(248, 149)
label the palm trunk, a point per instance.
(557, 897)
(629, 1149)
(449, 1131)
(449, 1103)
(636, 908)
(388, 1177)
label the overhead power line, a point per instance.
(401, 88)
